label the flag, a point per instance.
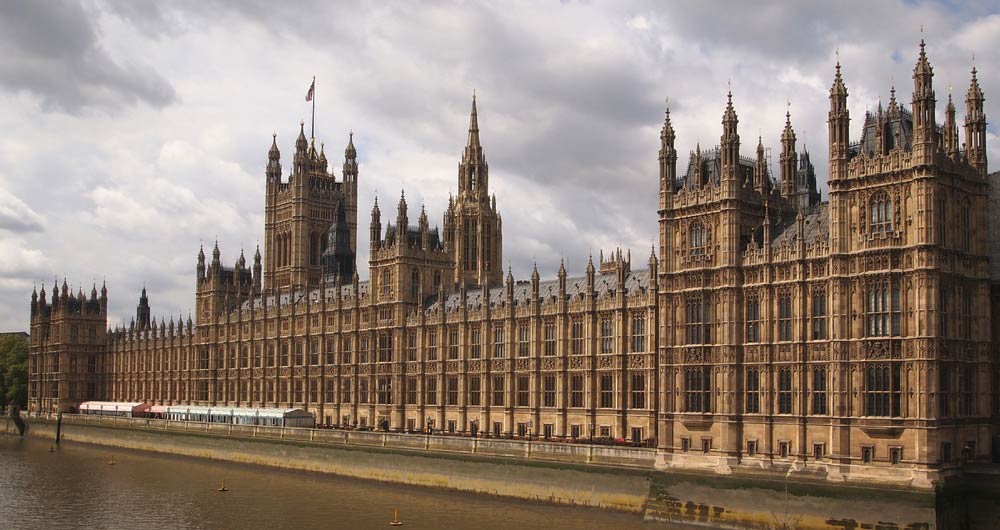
(312, 89)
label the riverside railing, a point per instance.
(633, 457)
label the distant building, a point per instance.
(850, 338)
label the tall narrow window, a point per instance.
(498, 390)
(785, 317)
(753, 320)
(944, 392)
(607, 391)
(432, 351)
(522, 340)
(638, 333)
(576, 342)
(453, 343)
(882, 309)
(819, 315)
(966, 385)
(549, 391)
(384, 390)
(384, 347)
(607, 336)
(474, 347)
(753, 391)
(692, 321)
(550, 339)
(785, 391)
(967, 317)
(498, 350)
(697, 389)
(475, 390)
(431, 391)
(697, 240)
(576, 391)
(943, 309)
(453, 390)
(942, 220)
(964, 226)
(819, 391)
(880, 213)
(882, 390)
(523, 391)
(411, 390)
(638, 391)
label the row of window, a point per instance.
(882, 315)
(881, 391)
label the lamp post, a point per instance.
(591, 433)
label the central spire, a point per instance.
(473, 124)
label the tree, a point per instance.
(13, 371)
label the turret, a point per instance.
(376, 227)
(257, 271)
(562, 277)
(668, 162)
(34, 302)
(730, 142)
(142, 311)
(534, 283)
(402, 218)
(839, 122)
(789, 159)
(950, 143)
(350, 161)
(473, 178)
(216, 261)
(301, 159)
(924, 129)
(424, 229)
(761, 182)
(975, 125)
(201, 264)
(591, 274)
(273, 171)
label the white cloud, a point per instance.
(17, 216)
(163, 145)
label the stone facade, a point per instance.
(848, 339)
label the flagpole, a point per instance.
(312, 127)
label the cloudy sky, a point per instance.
(134, 131)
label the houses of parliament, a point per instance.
(851, 339)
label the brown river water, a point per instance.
(75, 488)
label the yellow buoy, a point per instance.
(112, 462)
(395, 519)
(223, 486)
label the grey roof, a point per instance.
(817, 226)
(548, 290)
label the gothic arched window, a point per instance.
(880, 209)
(697, 239)
(386, 282)
(964, 226)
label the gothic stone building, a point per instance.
(848, 339)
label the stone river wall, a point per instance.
(617, 478)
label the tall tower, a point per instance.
(975, 126)
(299, 213)
(839, 121)
(142, 312)
(789, 160)
(472, 223)
(924, 130)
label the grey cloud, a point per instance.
(53, 50)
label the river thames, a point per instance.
(75, 487)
